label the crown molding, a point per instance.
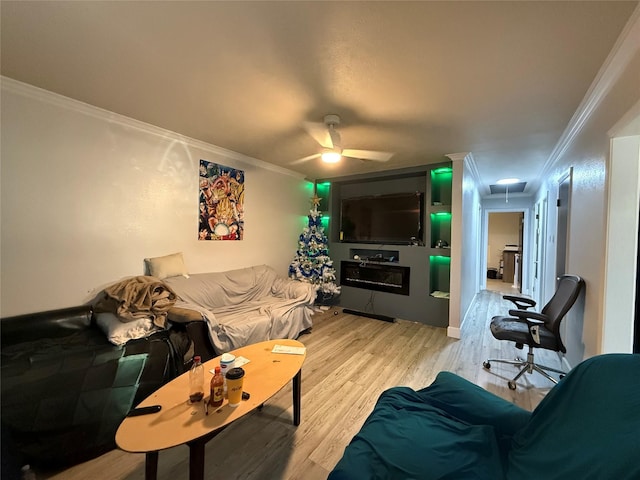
(621, 54)
(628, 125)
(456, 157)
(470, 162)
(46, 96)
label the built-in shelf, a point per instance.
(439, 237)
(362, 289)
(440, 209)
(439, 273)
(440, 229)
(441, 177)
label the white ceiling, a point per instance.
(421, 79)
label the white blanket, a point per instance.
(247, 305)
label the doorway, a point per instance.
(504, 251)
(564, 207)
(620, 324)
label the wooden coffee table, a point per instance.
(180, 422)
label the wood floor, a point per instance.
(350, 361)
(498, 285)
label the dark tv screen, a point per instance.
(387, 219)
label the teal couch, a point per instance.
(587, 427)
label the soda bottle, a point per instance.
(196, 380)
(217, 389)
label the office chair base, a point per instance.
(526, 366)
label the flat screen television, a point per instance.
(386, 219)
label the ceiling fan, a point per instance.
(329, 139)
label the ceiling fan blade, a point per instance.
(305, 159)
(368, 155)
(320, 133)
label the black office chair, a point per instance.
(537, 330)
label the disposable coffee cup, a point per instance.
(235, 377)
(227, 360)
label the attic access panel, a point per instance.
(513, 188)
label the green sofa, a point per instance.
(587, 427)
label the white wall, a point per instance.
(88, 194)
(585, 148)
(621, 250)
(471, 239)
(465, 237)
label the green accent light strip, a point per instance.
(442, 170)
(441, 214)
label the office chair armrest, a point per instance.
(532, 318)
(521, 302)
(534, 321)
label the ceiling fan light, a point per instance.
(331, 156)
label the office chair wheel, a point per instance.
(512, 385)
(486, 365)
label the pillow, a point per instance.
(586, 427)
(119, 332)
(167, 266)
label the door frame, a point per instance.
(525, 261)
(539, 249)
(562, 231)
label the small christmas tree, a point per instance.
(312, 263)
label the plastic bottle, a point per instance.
(196, 380)
(26, 473)
(227, 362)
(217, 389)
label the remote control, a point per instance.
(144, 410)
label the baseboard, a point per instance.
(453, 332)
(369, 315)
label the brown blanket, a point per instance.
(138, 297)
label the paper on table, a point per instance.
(240, 361)
(289, 350)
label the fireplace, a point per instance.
(375, 276)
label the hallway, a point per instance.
(497, 285)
